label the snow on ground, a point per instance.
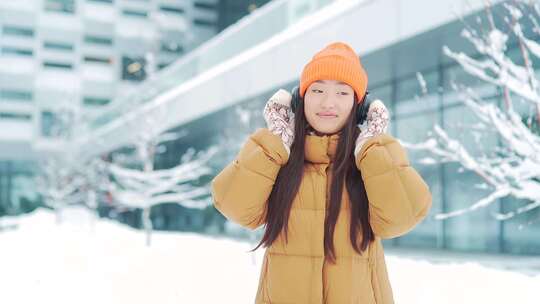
(42, 262)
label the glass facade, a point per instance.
(18, 95)
(10, 30)
(17, 187)
(63, 6)
(417, 101)
(415, 110)
(133, 68)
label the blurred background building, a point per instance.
(212, 73)
(85, 53)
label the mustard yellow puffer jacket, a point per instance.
(296, 272)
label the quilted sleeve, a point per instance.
(398, 196)
(240, 191)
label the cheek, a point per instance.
(309, 115)
(309, 109)
(345, 111)
(346, 107)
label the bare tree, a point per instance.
(60, 177)
(58, 182)
(512, 169)
(145, 187)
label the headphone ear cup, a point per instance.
(358, 115)
(296, 99)
(362, 110)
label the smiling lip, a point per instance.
(325, 115)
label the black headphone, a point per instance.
(361, 111)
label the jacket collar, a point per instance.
(320, 148)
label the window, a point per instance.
(133, 68)
(17, 31)
(97, 59)
(47, 123)
(162, 66)
(205, 6)
(135, 13)
(382, 91)
(413, 119)
(461, 192)
(102, 1)
(97, 40)
(95, 101)
(459, 122)
(16, 95)
(417, 93)
(456, 74)
(203, 22)
(171, 47)
(55, 125)
(60, 65)
(16, 51)
(61, 46)
(15, 116)
(514, 53)
(63, 6)
(171, 9)
(520, 233)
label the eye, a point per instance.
(344, 93)
(316, 90)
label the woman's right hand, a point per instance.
(376, 123)
(280, 118)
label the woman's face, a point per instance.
(327, 104)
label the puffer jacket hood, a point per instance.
(296, 271)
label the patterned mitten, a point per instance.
(376, 123)
(280, 118)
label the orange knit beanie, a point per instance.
(336, 61)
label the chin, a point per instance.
(326, 130)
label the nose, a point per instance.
(328, 102)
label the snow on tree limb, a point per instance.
(142, 189)
(513, 169)
(147, 186)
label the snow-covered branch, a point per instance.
(512, 169)
(144, 186)
(140, 189)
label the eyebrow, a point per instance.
(322, 81)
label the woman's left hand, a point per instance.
(376, 123)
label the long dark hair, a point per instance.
(290, 176)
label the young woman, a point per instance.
(326, 188)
